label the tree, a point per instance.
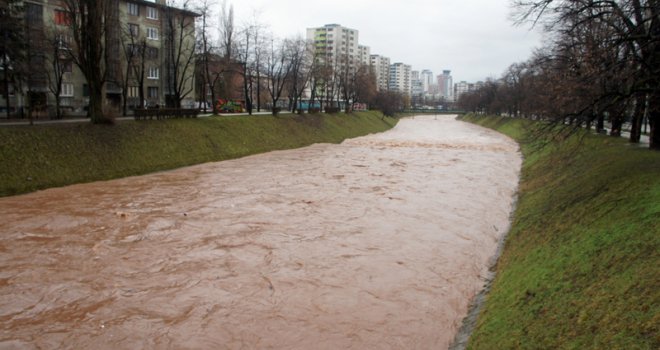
(136, 52)
(244, 52)
(299, 61)
(87, 21)
(278, 71)
(12, 52)
(259, 49)
(59, 63)
(388, 102)
(179, 24)
(633, 43)
(205, 48)
(365, 84)
(226, 30)
(346, 79)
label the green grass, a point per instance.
(42, 156)
(581, 264)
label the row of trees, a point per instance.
(90, 35)
(271, 69)
(224, 58)
(602, 63)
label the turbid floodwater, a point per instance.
(377, 243)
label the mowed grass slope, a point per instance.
(42, 156)
(581, 264)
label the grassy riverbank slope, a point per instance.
(42, 156)
(580, 267)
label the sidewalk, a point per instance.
(15, 122)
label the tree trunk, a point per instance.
(214, 108)
(600, 123)
(637, 117)
(616, 120)
(6, 84)
(654, 121)
(95, 109)
(312, 97)
(258, 89)
(58, 112)
(246, 92)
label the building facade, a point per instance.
(446, 85)
(364, 55)
(149, 58)
(427, 81)
(336, 46)
(381, 67)
(461, 88)
(401, 78)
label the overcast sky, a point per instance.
(475, 39)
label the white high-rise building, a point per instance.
(336, 45)
(427, 81)
(462, 87)
(401, 78)
(381, 66)
(446, 85)
(364, 55)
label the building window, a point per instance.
(62, 18)
(133, 9)
(85, 90)
(67, 90)
(34, 13)
(152, 33)
(152, 53)
(132, 50)
(153, 73)
(67, 67)
(63, 41)
(152, 92)
(133, 91)
(152, 12)
(134, 29)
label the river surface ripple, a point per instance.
(377, 243)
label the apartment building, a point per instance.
(167, 36)
(401, 78)
(364, 55)
(336, 45)
(461, 88)
(381, 66)
(139, 43)
(446, 85)
(427, 81)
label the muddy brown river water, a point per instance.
(377, 243)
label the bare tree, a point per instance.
(278, 70)
(179, 24)
(87, 21)
(11, 49)
(364, 82)
(59, 64)
(300, 61)
(227, 29)
(633, 42)
(210, 76)
(136, 51)
(244, 56)
(259, 48)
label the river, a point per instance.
(376, 243)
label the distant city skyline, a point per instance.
(474, 39)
